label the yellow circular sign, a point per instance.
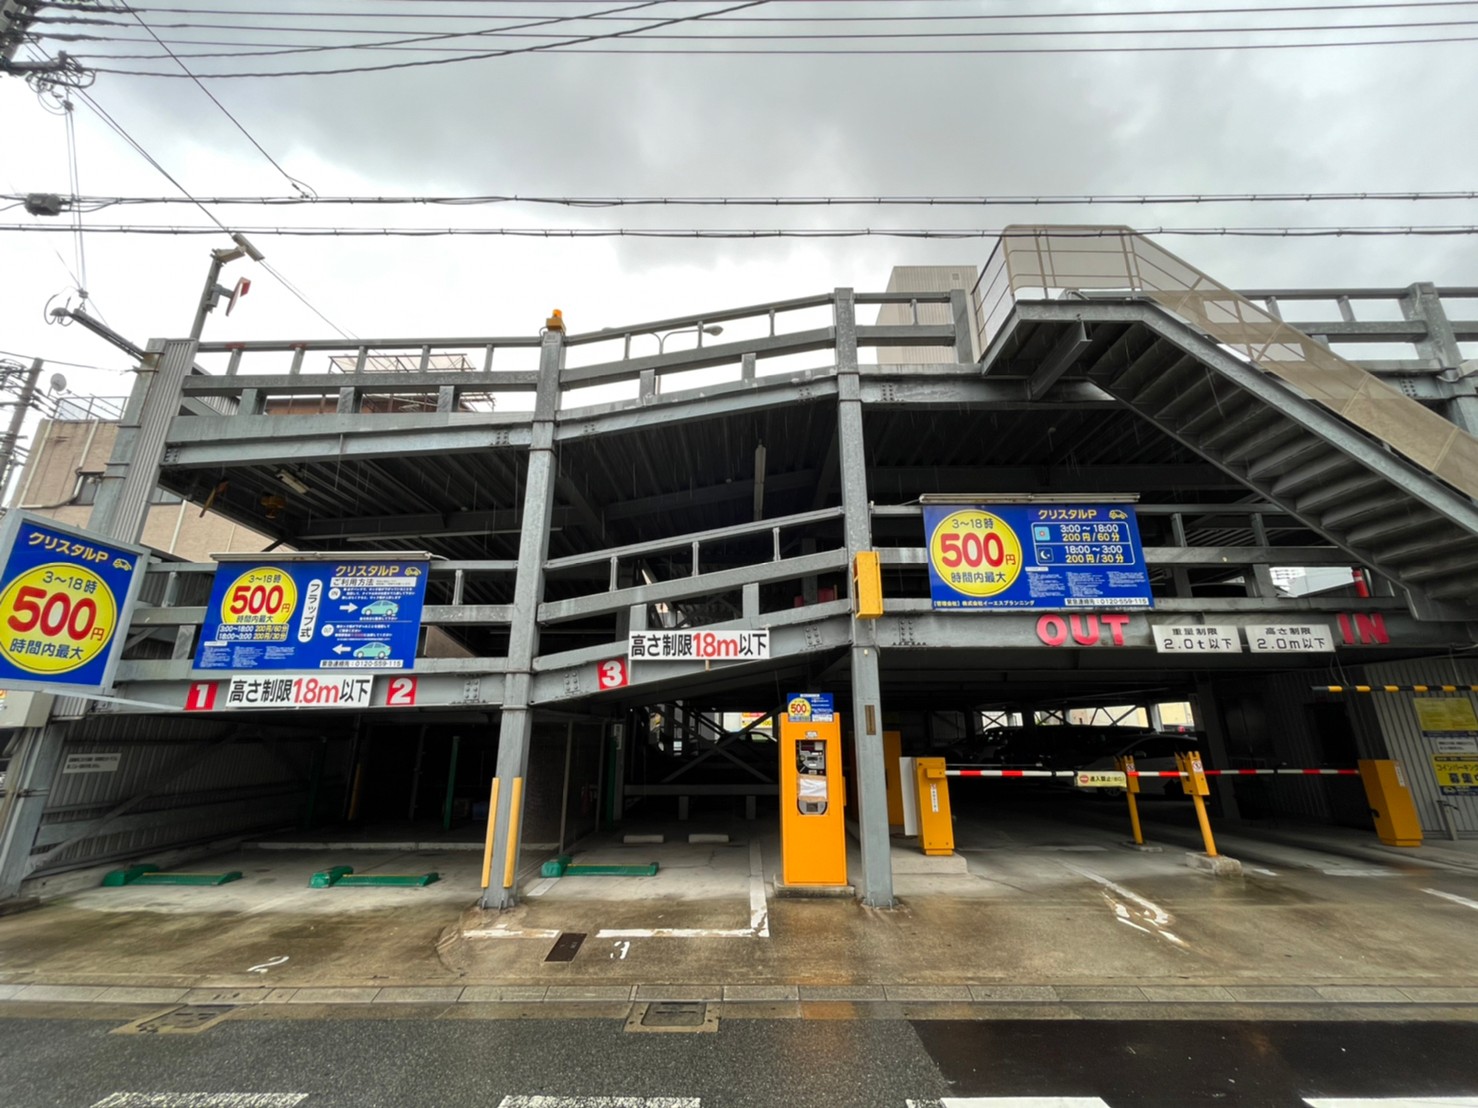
(798, 709)
(261, 596)
(56, 618)
(975, 553)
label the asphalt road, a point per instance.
(401, 1063)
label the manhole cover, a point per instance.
(190, 1019)
(673, 1015)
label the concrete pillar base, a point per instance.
(797, 891)
(1145, 848)
(1219, 866)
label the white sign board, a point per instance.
(92, 763)
(698, 645)
(1290, 638)
(297, 691)
(1455, 744)
(1212, 638)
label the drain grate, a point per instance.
(189, 1019)
(565, 947)
(673, 1015)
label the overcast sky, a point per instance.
(557, 123)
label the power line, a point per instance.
(757, 233)
(577, 50)
(98, 203)
(302, 188)
(123, 134)
(240, 49)
(537, 48)
(299, 13)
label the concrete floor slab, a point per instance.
(709, 993)
(83, 993)
(418, 994)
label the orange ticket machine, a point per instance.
(813, 837)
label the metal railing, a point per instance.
(1049, 262)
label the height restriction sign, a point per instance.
(65, 596)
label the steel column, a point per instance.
(119, 513)
(516, 722)
(867, 707)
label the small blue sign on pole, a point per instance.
(308, 612)
(66, 596)
(987, 556)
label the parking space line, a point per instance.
(1464, 901)
(201, 1100)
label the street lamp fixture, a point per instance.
(700, 331)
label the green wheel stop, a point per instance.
(337, 876)
(145, 874)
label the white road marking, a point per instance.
(759, 910)
(268, 964)
(1150, 912)
(759, 915)
(1260, 870)
(1011, 1102)
(600, 1102)
(510, 933)
(675, 933)
(540, 887)
(1464, 901)
(1361, 873)
(202, 1100)
(624, 949)
(1394, 1102)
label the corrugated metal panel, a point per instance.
(1404, 740)
(219, 779)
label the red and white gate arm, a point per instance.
(963, 772)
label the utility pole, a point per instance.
(18, 417)
(15, 20)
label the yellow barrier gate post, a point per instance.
(1131, 792)
(1196, 787)
(936, 826)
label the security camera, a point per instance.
(251, 251)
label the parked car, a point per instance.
(384, 609)
(373, 650)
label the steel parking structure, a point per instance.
(576, 488)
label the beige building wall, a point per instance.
(926, 278)
(67, 459)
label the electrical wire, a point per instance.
(913, 18)
(574, 48)
(240, 49)
(757, 233)
(303, 189)
(98, 203)
(123, 134)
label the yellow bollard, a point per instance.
(1131, 790)
(487, 850)
(513, 817)
(1195, 786)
